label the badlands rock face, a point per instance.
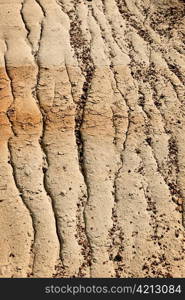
(92, 138)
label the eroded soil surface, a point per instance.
(92, 138)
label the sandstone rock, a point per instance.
(92, 138)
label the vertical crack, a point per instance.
(41, 139)
(41, 7)
(116, 228)
(46, 166)
(9, 112)
(82, 53)
(25, 23)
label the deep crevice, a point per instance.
(82, 52)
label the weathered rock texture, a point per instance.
(92, 138)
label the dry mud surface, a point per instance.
(92, 138)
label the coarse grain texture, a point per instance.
(92, 138)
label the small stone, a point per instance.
(27, 172)
(60, 153)
(174, 198)
(180, 201)
(63, 192)
(118, 258)
(180, 209)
